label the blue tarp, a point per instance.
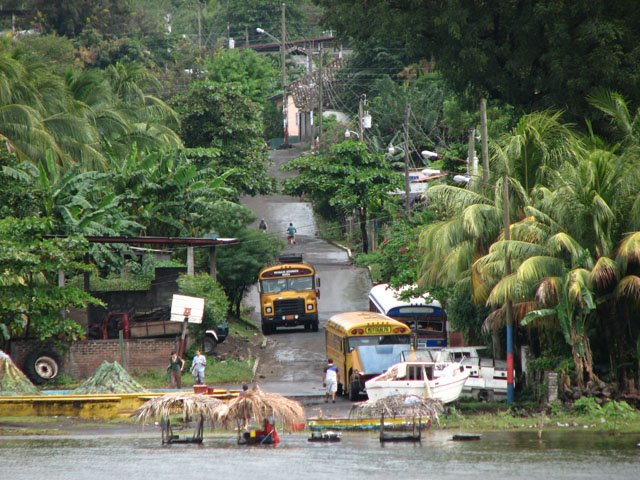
(375, 359)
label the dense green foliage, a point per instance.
(221, 117)
(216, 303)
(529, 53)
(348, 178)
(238, 266)
(31, 300)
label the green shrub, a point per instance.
(615, 413)
(586, 406)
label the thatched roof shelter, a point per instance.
(258, 405)
(188, 404)
(398, 406)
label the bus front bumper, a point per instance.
(290, 320)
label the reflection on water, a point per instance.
(581, 455)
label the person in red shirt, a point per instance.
(268, 434)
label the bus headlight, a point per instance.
(310, 306)
(268, 309)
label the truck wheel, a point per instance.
(267, 329)
(314, 326)
(209, 345)
(42, 365)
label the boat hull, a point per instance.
(445, 392)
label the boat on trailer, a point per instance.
(438, 380)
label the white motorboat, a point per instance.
(440, 380)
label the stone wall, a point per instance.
(84, 357)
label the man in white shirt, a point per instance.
(197, 367)
(330, 381)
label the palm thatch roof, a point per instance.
(189, 404)
(12, 380)
(258, 405)
(109, 378)
(398, 406)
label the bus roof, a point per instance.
(385, 298)
(305, 269)
(344, 322)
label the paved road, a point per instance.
(293, 360)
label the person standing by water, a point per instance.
(263, 227)
(291, 234)
(176, 365)
(245, 423)
(197, 367)
(330, 381)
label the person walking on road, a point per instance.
(197, 367)
(176, 365)
(330, 381)
(291, 234)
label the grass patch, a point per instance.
(230, 371)
(217, 372)
(498, 416)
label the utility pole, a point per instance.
(471, 150)
(485, 140)
(509, 305)
(360, 119)
(407, 183)
(320, 95)
(285, 107)
(199, 16)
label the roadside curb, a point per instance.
(346, 249)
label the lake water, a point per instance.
(560, 455)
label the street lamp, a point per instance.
(348, 133)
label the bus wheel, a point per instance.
(340, 390)
(267, 329)
(354, 391)
(314, 326)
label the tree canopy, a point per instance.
(528, 53)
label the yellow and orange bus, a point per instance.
(363, 345)
(289, 293)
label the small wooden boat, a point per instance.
(325, 437)
(410, 432)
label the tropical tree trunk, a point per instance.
(362, 212)
(582, 358)
(577, 360)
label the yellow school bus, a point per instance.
(289, 293)
(363, 345)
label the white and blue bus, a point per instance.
(427, 320)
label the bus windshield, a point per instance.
(355, 342)
(276, 285)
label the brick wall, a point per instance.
(83, 358)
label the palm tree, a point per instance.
(21, 127)
(616, 108)
(569, 299)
